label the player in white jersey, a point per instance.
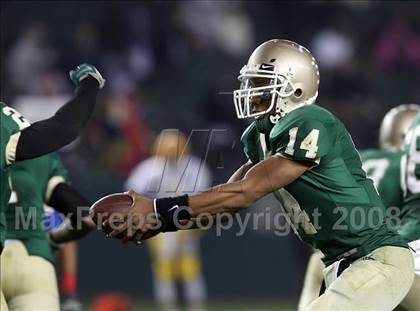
(173, 171)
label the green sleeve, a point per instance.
(57, 168)
(250, 139)
(57, 175)
(305, 141)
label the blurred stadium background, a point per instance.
(172, 64)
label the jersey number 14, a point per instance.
(310, 143)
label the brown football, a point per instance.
(111, 207)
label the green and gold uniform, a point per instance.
(384, 168)
(32, 184)
(387, 169)
(410, 214)
(11, 122)
(29, 277)
(335, 187)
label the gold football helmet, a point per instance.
(282, 73)
(394, 126)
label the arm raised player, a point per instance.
(49, 135)
(21, 141)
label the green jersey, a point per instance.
(33, 182)
(385, 170)
(11, 122)
(332, 206)
(410, 214)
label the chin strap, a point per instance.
(274, 119)
(279, 112)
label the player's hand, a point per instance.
(83, 71)
(140, 222)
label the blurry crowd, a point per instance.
(173, 64)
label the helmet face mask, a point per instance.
(260, 85)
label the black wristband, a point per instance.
(169, 211)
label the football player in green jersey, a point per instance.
(386, 168)
(20, 140)
(28, 275)
(304, 155)
(410, 213)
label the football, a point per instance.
(111, 207)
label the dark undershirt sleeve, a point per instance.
(49, 135)
(66, 200)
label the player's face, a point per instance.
(260, 102)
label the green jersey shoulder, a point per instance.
(11, 123)
(32, 182)
(304, 135)
(333, 187)
(297, 136)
